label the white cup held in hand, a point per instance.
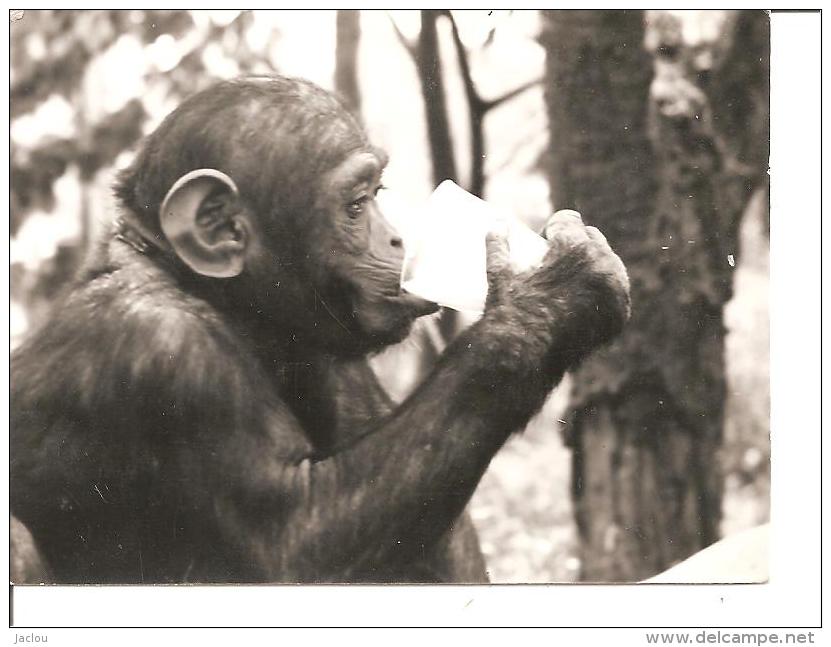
(447, 263)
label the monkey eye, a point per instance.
(356, 208)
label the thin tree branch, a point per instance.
(347, 43)
(473, 98)
(477, 112)
(493, 103)
(405, 42)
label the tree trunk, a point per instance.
(432, 89)
(476, 113)
(739, 94)
(348, 37)
(649, 410)
(429, 65)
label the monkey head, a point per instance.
(262, 192)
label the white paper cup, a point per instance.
(446, 262)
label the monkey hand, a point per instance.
(576, 300)
(567, 234)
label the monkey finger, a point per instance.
(496, 244)
(498, 262)
(596, 235)
(560, 219)
(565, 216)
(497, 253)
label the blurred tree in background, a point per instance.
(460, 95)
(426, 54)
(663, 156)
(346, 59)
(66, 128)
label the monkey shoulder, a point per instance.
(130, 344)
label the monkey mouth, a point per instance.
(417, 306)
(397, 301)
(389, 320)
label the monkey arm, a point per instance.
(175, 408)
(391, 494)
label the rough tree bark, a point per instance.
(648, 411)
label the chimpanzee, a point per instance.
(199, 408)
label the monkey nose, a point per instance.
(396, 241)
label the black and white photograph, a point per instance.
(389, 297)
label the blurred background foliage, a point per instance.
(448, 95)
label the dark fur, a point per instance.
(171, 428)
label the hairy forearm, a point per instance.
(394, 493)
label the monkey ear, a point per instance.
(208, 239)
